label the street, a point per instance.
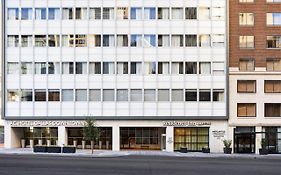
(136, 165)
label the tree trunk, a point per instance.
(92, 146)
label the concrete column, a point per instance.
(170, 138)
(7, 136)
(258, 138)
(115, 138)
(62, 136)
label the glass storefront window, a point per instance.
(194, 139)
(141, 138)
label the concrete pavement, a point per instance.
(107, 153)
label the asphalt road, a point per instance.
(136, 165)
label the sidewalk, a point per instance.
(106, 153)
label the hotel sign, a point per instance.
(186, 123)
(52, 123)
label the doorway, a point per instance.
(244, 139)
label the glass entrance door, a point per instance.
(244, 140)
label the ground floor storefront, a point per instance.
(120, 135)
(247, 139)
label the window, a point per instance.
(272, 110)
(191, 40)
(13, 95)
(54, 40)
(136, 68)
(40, 13)
(204, 40)
(95, 95)
(149, 13)
(67, 95)
(149, 95)
(177, 13)
(163, 13)
(136, 95)
(81, 67)
(191, 95)
(40, 41)
(273, 19)
(149, 41)
(272, 86)
(205, 68)
(108, 13)
(54, 13)
(26, 95)
(136, 41)
(26, 68)
(246, 41)
(193, 138)
(190, 13)
(81, 13)
(246, 64)
(163, 41)
(136, 13)
(273, 64)
(94, 40)
(67, 40)
(67, 13)
(108, 68)
(80, 41)
(218, 68)
(40, 95)
(177, 40)
(246, 86)
(122, 40)
(54, 95)
(122, 12)
(191, 68)
(177, 95)
(150, 67)
(108, 41)
(273, 42)
(218, 95)
(26, 40)
(246, 19)
(163, 95)
(54, 68)
(163, 68)
(95, 13)
(218, 40)
(177, 68)
(246, 109)
(13, 41)
(122, 67)
(81, 95)
(95, 68)
(218, 13)
(204, 95)
(204, 13)
(40, 68)
(13, 68)
(67, 68)
(26, 14)
(108, 95)
(122, 95)
(13, 13)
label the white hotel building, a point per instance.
(152, 73)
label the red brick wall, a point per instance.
(259, 30)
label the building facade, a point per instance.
(153, 74)
(255, 75)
